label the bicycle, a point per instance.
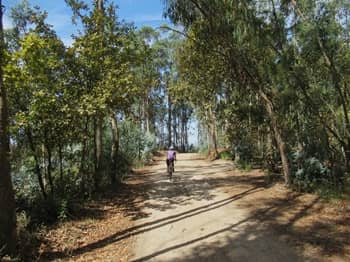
(171, 169)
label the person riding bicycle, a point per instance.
(171, 156)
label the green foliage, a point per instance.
(312, 175)
(136, 146)
(203, 149)
(244, 166)
(226, 155)
(271, 75)
(63, 210)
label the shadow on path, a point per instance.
(139, 229)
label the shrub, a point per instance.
(226, 155)
(244, 166)
(136, 146)
(311, 174)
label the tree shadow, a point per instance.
(321, 234)
(153, 190)
(245, 240)
(148, 226)
(261, 236)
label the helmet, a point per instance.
(172, 148)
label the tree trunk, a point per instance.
(98, 151)
(7, 201)
(49, 168)
(60, 156)
(37, 164)
(147, 116)
(182, 131)
(212, 128)
(169, 122)
(82, 168)
(175, 139)
(279, 140)
(186, 137)
(115, 148)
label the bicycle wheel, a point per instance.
(170, 170)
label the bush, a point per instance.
(203, 149)
(27, 240)
(245, 151)
(136, 146)
(244, 166)
(311, 174)
(226, 155)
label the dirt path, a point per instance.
(209, 212)
(192, 218)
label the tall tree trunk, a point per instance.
(175, 131)
(37, 164)
(212, 128)
(182, 131)
(98, 151)
(163, 133)
(147, 117)
(278, 136)
(169, 121)
(115, 148)
(209, 138)
(187, 146)
(60, 156)
(49, 168)
(98, 117)
(7, 200)
(82, 168)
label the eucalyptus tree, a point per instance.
(7, 202)
(320, 39)
(103, 50)
(149, 73)
(275, 49)
(201, 81)
(35, 75)
(235, 33)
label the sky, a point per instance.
(141, 12)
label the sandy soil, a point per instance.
(211, 212)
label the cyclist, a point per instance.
(171, 156)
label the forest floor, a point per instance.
(209, 211)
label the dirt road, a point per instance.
(198, 217)
(210, 211)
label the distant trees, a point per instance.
(276, 74)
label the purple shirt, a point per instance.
(171, 154)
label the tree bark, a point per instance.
(7, 201)
(115, 148)
(147, 115)
(98, 151)
(60, 156)
(279, 140)
(183, 130)
(212, 131)
(175, 139)
(49, 168)
(82, 168)
(37, 164)
(169, 122)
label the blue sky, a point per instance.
(141, 12)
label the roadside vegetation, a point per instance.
(266, 82)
